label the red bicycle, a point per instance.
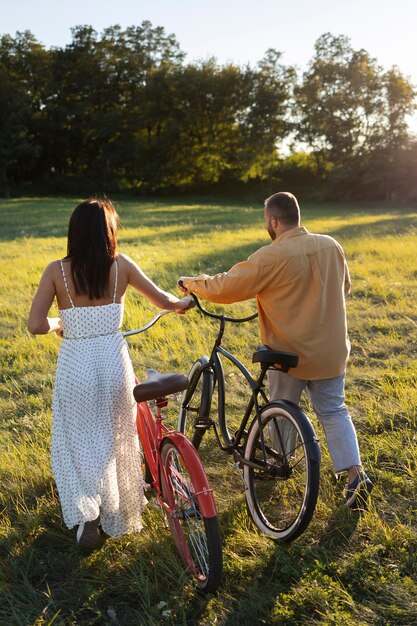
(174, 470)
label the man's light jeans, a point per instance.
(328, 399)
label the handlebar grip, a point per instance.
(215, 315)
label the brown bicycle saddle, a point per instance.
(159, 385)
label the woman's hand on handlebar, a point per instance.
(208, 313)
(184, 304)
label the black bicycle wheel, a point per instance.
(196, 402)
(281, 495)
(197, 537)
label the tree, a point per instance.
(350, 111)
(121, 110)
(389, 164)
(340, 103)
(266, 121)
(208, 101)
(22, 67)
(99, 95)
(217, 124)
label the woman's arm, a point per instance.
(162, 299)
(39, 323)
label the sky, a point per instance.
(235, 30)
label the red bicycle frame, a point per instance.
(151, 432)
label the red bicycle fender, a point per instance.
(201, 484)
(145, 421)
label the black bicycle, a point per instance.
(278, 454)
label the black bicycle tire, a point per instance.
(312, 455)
(147, 474)
(197, 370)
(211, 583)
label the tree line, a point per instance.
(123, 111)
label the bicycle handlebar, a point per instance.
(216, 316)
(148, 325)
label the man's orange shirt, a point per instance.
(300, 282)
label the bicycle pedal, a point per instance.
(187, 514)
(203, 424)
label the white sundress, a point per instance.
(95, 454)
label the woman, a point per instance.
(95, 453)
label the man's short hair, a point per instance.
(283, 206)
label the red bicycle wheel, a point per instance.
(193, 521)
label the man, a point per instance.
(300, 282)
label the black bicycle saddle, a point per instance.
(159, 385)
(275, 358)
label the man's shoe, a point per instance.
(89, 536)
(357, 492)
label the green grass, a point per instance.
(345, 569)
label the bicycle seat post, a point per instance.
(160, 403)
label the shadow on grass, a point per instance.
(215, 262)
(49, 217)
(185, 217)
(139, 579)
(44, 578)
(377, 228)
(256, 594)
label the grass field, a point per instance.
(346, 569)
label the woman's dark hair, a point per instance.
(92, 246)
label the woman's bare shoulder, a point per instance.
(124, 260)
(53, 268)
